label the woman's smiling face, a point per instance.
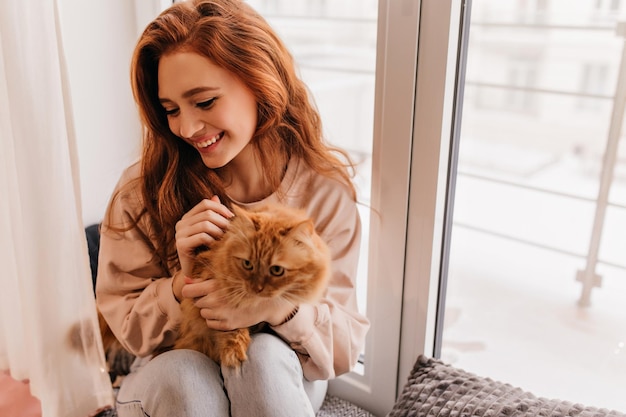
(207, 106)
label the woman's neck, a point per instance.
(243, 177)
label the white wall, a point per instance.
(98, 38)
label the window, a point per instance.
(539, 203)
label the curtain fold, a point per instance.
(48, 325)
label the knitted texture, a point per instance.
(336, 407)
(437, 389)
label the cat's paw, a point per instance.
(233, 358)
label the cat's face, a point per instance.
(270, 253)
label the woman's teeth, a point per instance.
(210, 141)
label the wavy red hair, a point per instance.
(235, 37)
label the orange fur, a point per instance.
(118, 359)
(273, 252)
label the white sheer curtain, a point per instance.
(45, 284)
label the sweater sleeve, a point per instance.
(133, 289)
(329, 337)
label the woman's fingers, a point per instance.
(209, 302)
(204, 291)
(213, 229)
(215, 322)
(212, 204)
(187, 246)
(202, 219)
(202, 225)
(206, 218)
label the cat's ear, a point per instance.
(304, 231)
(244, 219)
(305, 226)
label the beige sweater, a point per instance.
(134, 292)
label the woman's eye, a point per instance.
(207, 104)
(170, 112)
(246, 264)
(277, 270)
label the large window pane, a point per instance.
(540, 94)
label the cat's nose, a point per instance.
(259, 287)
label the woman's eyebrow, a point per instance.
(197, 90)
(190, 93)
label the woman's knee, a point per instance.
(175, 379)
(179, 368)
(269, 359)
(270, 353)
(269, 383)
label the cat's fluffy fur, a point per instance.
(269, 253)
(118, 360)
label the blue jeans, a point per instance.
(186, 383)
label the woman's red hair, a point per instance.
(235, 37)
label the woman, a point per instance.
(226, 121)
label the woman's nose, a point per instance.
(189, 125)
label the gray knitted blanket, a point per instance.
(437, 389)
(338, 407)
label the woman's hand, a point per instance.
(201, 225)
(220, 315)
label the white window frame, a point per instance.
(416, 79)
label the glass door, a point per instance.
(537, 273)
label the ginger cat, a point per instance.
(269, 253)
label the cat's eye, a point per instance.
(246, 264)
(277, 270)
